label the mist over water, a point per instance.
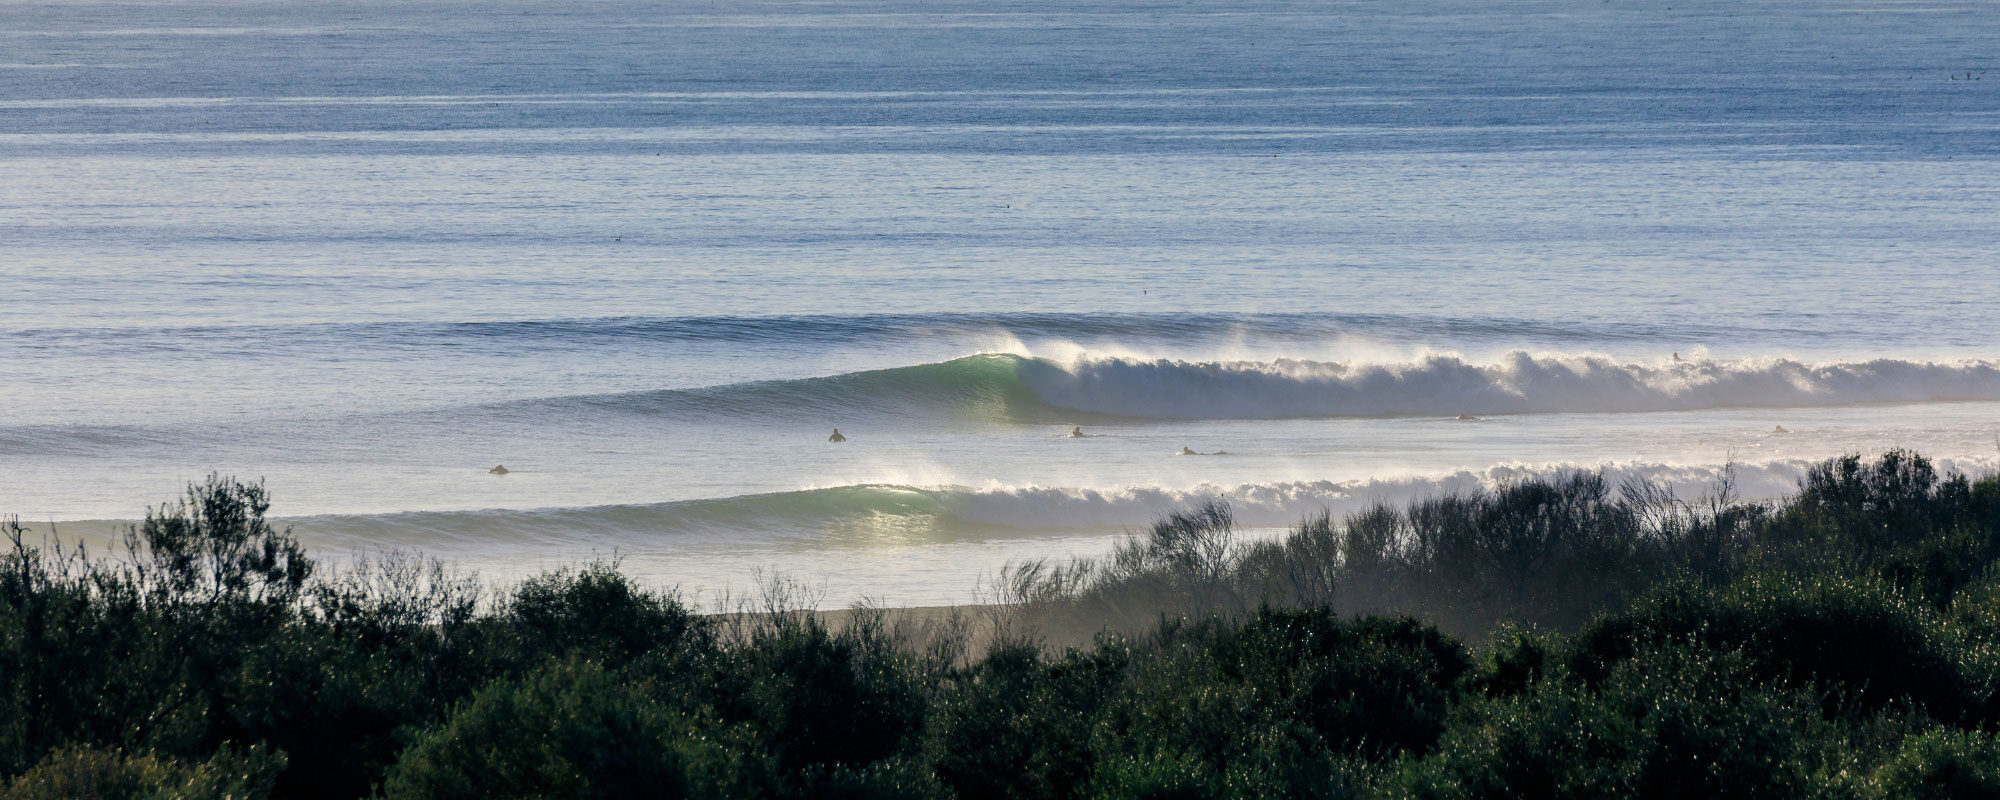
(649, 255)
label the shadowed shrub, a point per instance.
(86, 774)
(824, 698)
(568, 730)
(1942, 765)
(1675, 722)
(1020, 724)
(1843, 643)
(1856, 638)
(596, 613)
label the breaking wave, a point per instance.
(949, 511)
(1038, 389)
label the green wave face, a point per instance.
(864, 509)
(986, 387)
(858, 510)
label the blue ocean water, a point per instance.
(648, 255)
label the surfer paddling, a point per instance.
(499, 469)
(836, 437)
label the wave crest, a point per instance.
(956, 511)
(1024, 388)
(1517, 384)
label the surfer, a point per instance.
(1076, 432)
(1467, 418)
(499, 469)
(1779, 429)
(836, 437)
(1188, 451)
(1677, 356)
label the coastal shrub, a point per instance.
(596, 613)
(1020, 724)
(1513, 660)
(1852, 510)
(1893, 500)
(1673, 722)
(895, 778)
(139, 653)
(1369, 683)
(1942, 765)
(1286, 703)
(213, 547)
(1854, 637)
(821, 697)
(570, 729)
(82, 773)
(1627, 644)
(1553, 552)
(334, 703)
(1185, 564)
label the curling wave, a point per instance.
(1519, 383)
(1024, 388)
(982, 385)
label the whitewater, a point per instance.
(648, 256)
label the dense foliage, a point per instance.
(1843, 643)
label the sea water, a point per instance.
(649, 256)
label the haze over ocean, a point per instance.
(648, 255)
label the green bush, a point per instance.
(597, 613)
(82, 773)
(1856, 638)
(824, 698)
(1369, 683)
(1020, 725)
(569, 730)
(1843, 643)
(1942, 765)
(1671, 722)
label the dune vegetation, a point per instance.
(1551, 638)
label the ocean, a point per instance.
(650, 255)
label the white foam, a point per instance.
(1519, 382)
(1285, 503)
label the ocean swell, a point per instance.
(1031, 389)
(904, 513)
(1519, 383)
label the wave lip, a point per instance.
(1010, 388)
(1519, 383)
(1029, 389)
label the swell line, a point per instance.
(1030, 389)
